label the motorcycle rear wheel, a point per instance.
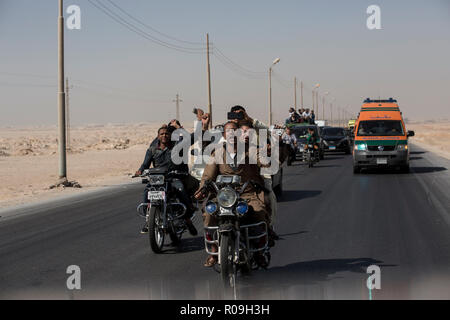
(175, 237)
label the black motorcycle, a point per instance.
(241, 247)
(164, 212)
(310, 155)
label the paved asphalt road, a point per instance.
(333, 224)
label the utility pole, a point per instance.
(331, 114)
(209, 82)
(295, 94)
(61, 98)
(339, 116)
(67, 115)
(301, 93)
(177, 103)
(323, 105)
(312, 107)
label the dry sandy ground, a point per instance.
(107, 155)
(431, 135)
(98, 156)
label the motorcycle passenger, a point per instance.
(248, 172)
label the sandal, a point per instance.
(211, 261)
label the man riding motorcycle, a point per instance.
(271, 199)
(159, 154)
(311, 139)
(253, 194)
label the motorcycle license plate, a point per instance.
(156, 195)
(332, 147)
(381, 161)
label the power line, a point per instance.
(8, 84)
(26, 75)
(283, 82)
(245, 70)
(153, 29)
(117, 18)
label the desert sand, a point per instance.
(102, 155)
(432, 135)
(97, 156)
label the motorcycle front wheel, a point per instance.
(156, 234)
(227, 266)
(310, 160)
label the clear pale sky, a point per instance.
(119, 76)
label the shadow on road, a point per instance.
(291, 234)
(415, 158)
(417, 152)
(382, 171)
(298, 195)
(311, 272)
(187, 245)
(326, 166)
(332, 157)
(427, 169)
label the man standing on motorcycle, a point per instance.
(159, 154)
(253, 194)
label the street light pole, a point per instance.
(209, 82)
(270, 89)
(61, 98)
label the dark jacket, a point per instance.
(162, 158)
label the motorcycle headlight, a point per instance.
(197, 173)
(226, 197)
(156, 180)
(211, 207)
(242, 208)
(361, 146)
(402, 147)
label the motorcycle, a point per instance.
(164, 212)
(238, 244)
(310, 155)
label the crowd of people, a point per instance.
(302, 116)
(259, 195)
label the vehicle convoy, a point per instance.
(164, 212)
(336, 140)
(301, 131)
(241, 247)
(381, 139)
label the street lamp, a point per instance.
(270, 89)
